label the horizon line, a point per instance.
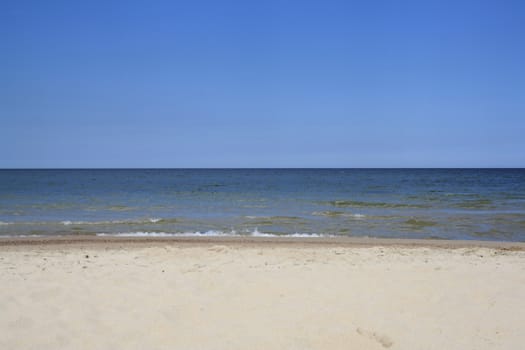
(258, 168)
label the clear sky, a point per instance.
(262, 83)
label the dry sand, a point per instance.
(260, 294)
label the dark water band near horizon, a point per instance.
(481, 204)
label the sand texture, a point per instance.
(219, 295)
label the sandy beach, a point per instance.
(93, 293)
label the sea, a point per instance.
(471, 204)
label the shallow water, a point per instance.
(411, 203)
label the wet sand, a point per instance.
(260, 293)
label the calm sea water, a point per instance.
(411, 203)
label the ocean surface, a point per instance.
(486, 204)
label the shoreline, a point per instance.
(350, 242)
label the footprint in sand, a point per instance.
(218, 248)
(380, 338)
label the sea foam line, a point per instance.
(138, 221)
(211, 233)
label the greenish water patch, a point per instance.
(328, 213)
(420, 224)
(276, 218)
(343, 231)
(474, 204)
(427, 198)
(273, 220)
(362, 204)
(165, 221)
(336, 214)
(492, 234)
(120, 208)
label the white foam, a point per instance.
(211, 233)
(166, 234)
(307, 235)
(294, 235)
(256, 233)
(112, 222)
(3, 223)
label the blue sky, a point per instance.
(262, 84)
